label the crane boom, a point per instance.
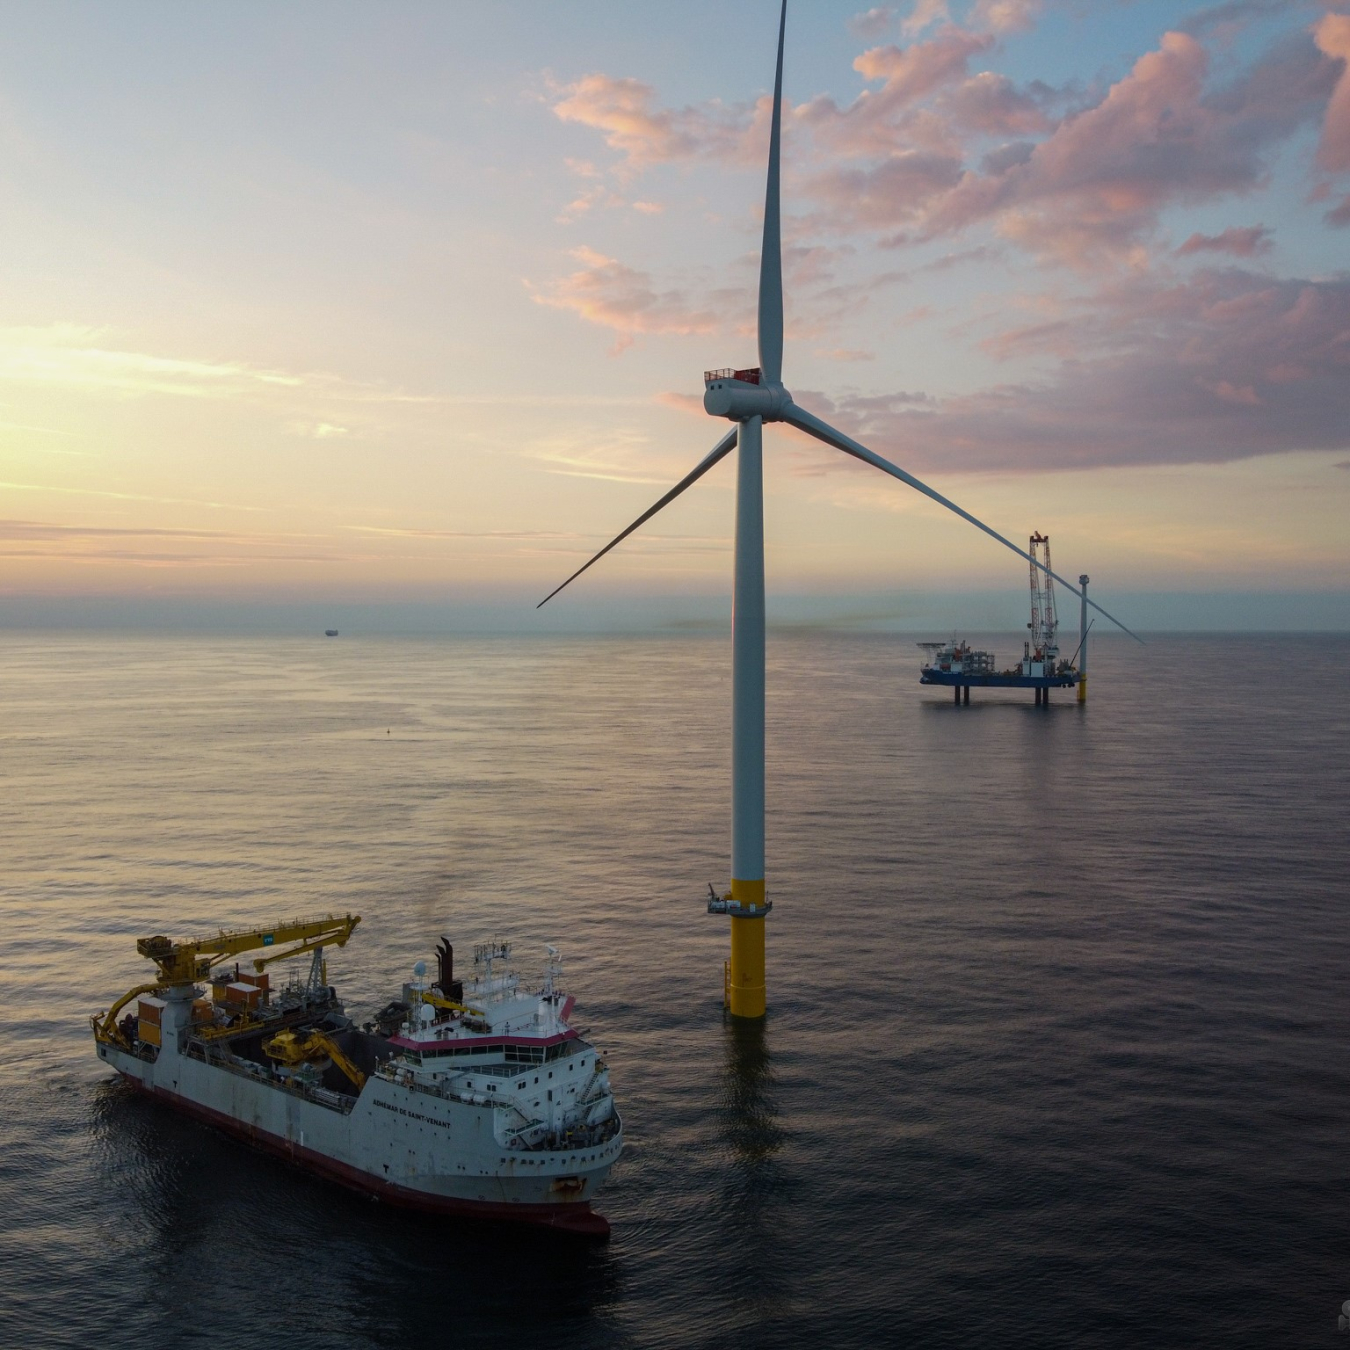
(440, 1001)
(105, 1024)
(260, 963)
(187, 962)
(1044, 620)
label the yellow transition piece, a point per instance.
(747, 953)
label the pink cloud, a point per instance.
(606, 292)
(1241, 241)
(893, 120)
(970, 255)
(1225, 21)
(897, 192)
(992, 105)
(871, 23)
(910, 72)
(622, 110)
(626, 300)
(911, 156)
(1005, 16)
(845, 354)
(1097, 184)
(682, 402)
(1093, 185)
(587, 201)
(924, 15)
(1332, 34)
(1225, 365)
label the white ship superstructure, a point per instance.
(474, 1097)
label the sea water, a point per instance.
(1056, 1052)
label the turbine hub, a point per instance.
(741, 394)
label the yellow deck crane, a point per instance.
(294, 1048)
(449, 1004)
(186, 963)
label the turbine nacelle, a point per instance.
(742, 394)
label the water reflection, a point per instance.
(210, 1213)
(749, 1111)
(757, 1184)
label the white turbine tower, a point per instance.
(749, 398)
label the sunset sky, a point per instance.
(408, 304)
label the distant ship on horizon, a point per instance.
(330, 632)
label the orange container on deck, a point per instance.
(241, 995)
(149, 1032)
(258, 981)
(151, 1012)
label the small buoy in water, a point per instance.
(388, 731)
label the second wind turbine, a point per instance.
(749, 398)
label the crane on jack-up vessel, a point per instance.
(1044, 620)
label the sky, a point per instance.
(403, 309)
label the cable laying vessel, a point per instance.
(471, 1097)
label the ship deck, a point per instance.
(949, 678)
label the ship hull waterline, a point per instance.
(949, 678)
(572, 1216)
(578, 1218)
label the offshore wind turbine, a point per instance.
(748, 399)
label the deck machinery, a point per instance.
(960, 666)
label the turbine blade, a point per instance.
(771, 253)
(822, 431)
(719, 452)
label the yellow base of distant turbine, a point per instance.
(745, 973)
